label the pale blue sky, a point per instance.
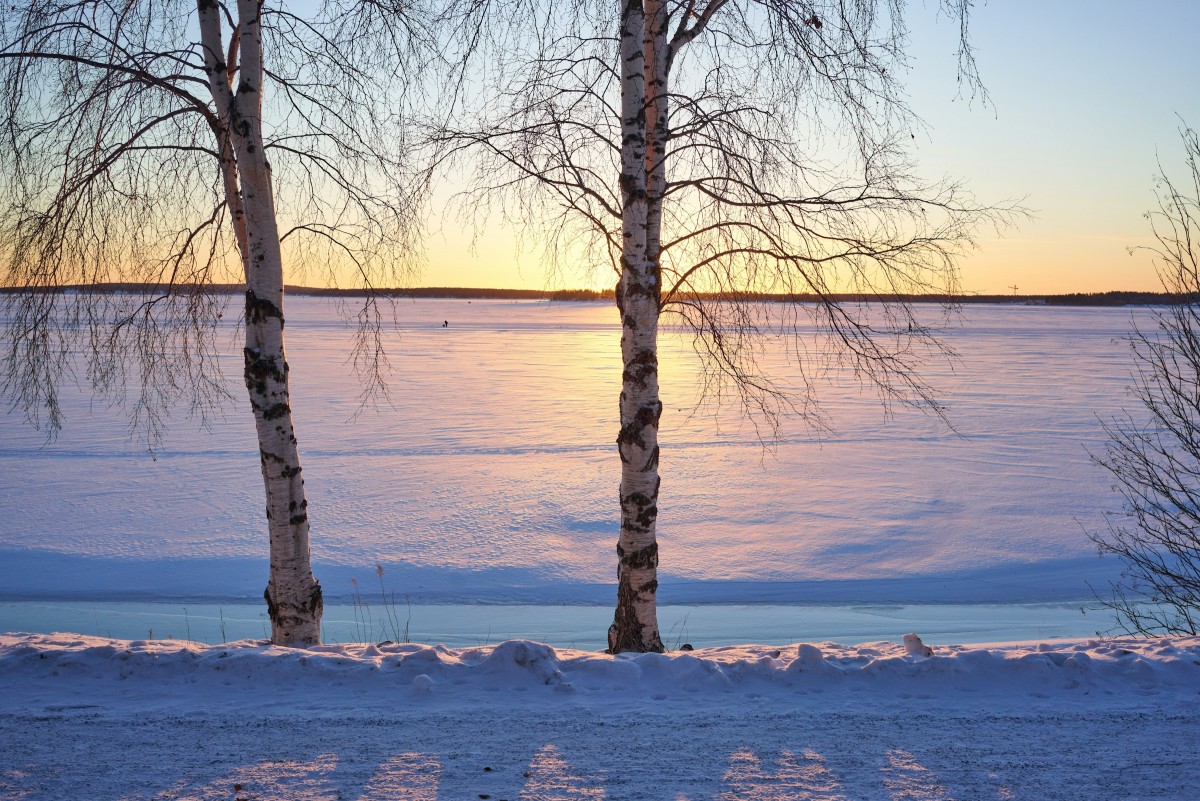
(1084, 97)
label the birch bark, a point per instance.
(635, 622)
(293, 595)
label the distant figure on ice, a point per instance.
(445, 323)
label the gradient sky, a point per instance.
(1086, 97)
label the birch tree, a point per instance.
(184, 147)
(709, 150)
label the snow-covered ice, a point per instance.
(98, 718)
(493, 478)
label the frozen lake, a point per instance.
(493, 477)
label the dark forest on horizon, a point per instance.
(1111, 298)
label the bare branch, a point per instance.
(117, 125)
(1154, 456)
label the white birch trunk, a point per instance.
(635, 622)
(293, 596)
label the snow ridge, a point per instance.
(1117, 666)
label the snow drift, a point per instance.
(35, 666)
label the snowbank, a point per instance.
(39, 667)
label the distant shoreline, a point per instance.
(1111, 298)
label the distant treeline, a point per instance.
(417, 292)
(458, 293)
(1115, 298)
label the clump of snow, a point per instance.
(809, 654)
(516, 660)
(811, 659)
(914, 646)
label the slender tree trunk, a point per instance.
(635, 623)
(293, 596)
(657, 67)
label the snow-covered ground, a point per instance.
(85, 717)
(494, 476)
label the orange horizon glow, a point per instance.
(1036, 265)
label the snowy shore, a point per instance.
(159, 719)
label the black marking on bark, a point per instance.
(641, 519)
(630, 434)
(639, 369)
(289, 472)
(275, 411)
(261, 367)
(627, 633)
(290, 615)
(272, 609)
(651, 413)
(296, 520)
(641, 559)
(259, 310)
(628, 183)
(633, 432)
(639, 289)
